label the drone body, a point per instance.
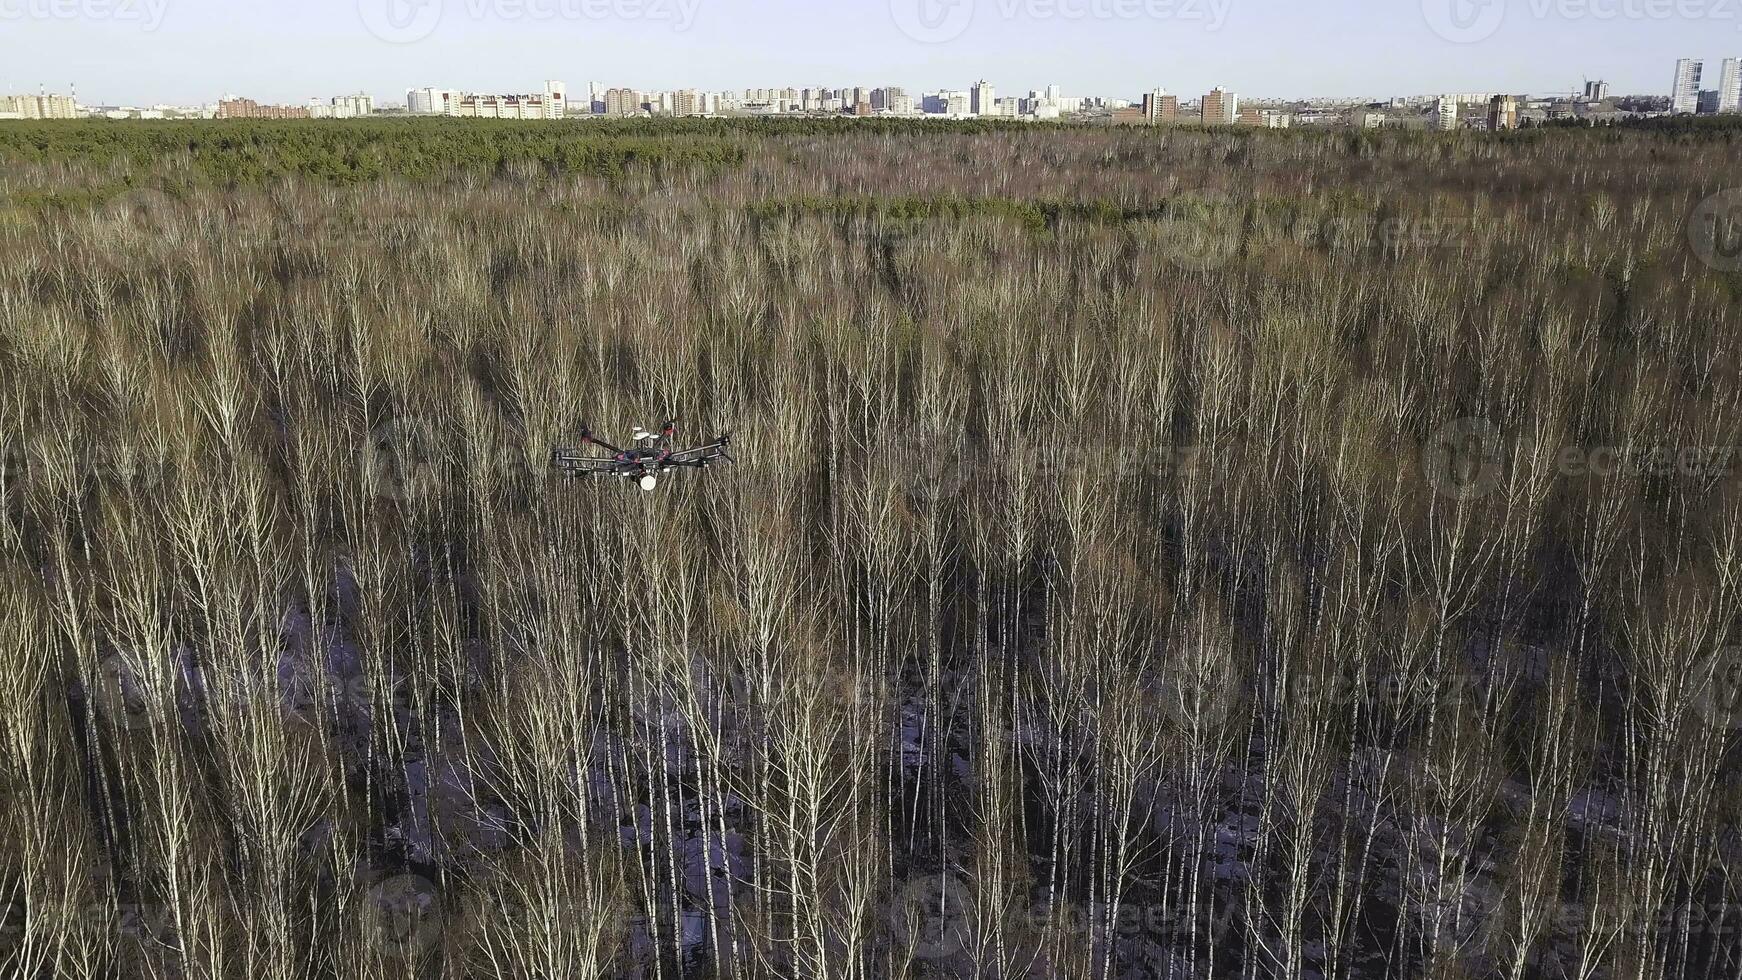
(652, 457)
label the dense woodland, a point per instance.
(1151, 553)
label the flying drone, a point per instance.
(651, 458)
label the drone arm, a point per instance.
(715, 451)
(572, 461)
(602, 444)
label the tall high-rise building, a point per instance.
(1502, 113)
(432, 101)
(1596, 91)
(983, 99)
(1685, 97)
(693, 102)
(356, 106)
(43, 106)
(1446, 113)
(622, 102)
(1730, 86)
(1220, 108)
(556, 99)
(1158, 107)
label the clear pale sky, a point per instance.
(190, 51)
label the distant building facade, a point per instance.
(1220, 108)
(1685, 96)
(1730, 86)
(1446, 113)
(1160, 108)
(42, 106)
(982, 99)
(622, 102)
(1502, 113)
(249, 109)
(432, 102)
(353, 106)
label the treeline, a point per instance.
(344, 152)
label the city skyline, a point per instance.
(188, 51)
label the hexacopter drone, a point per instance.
(652, 456)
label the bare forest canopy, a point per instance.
(1174, 553)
